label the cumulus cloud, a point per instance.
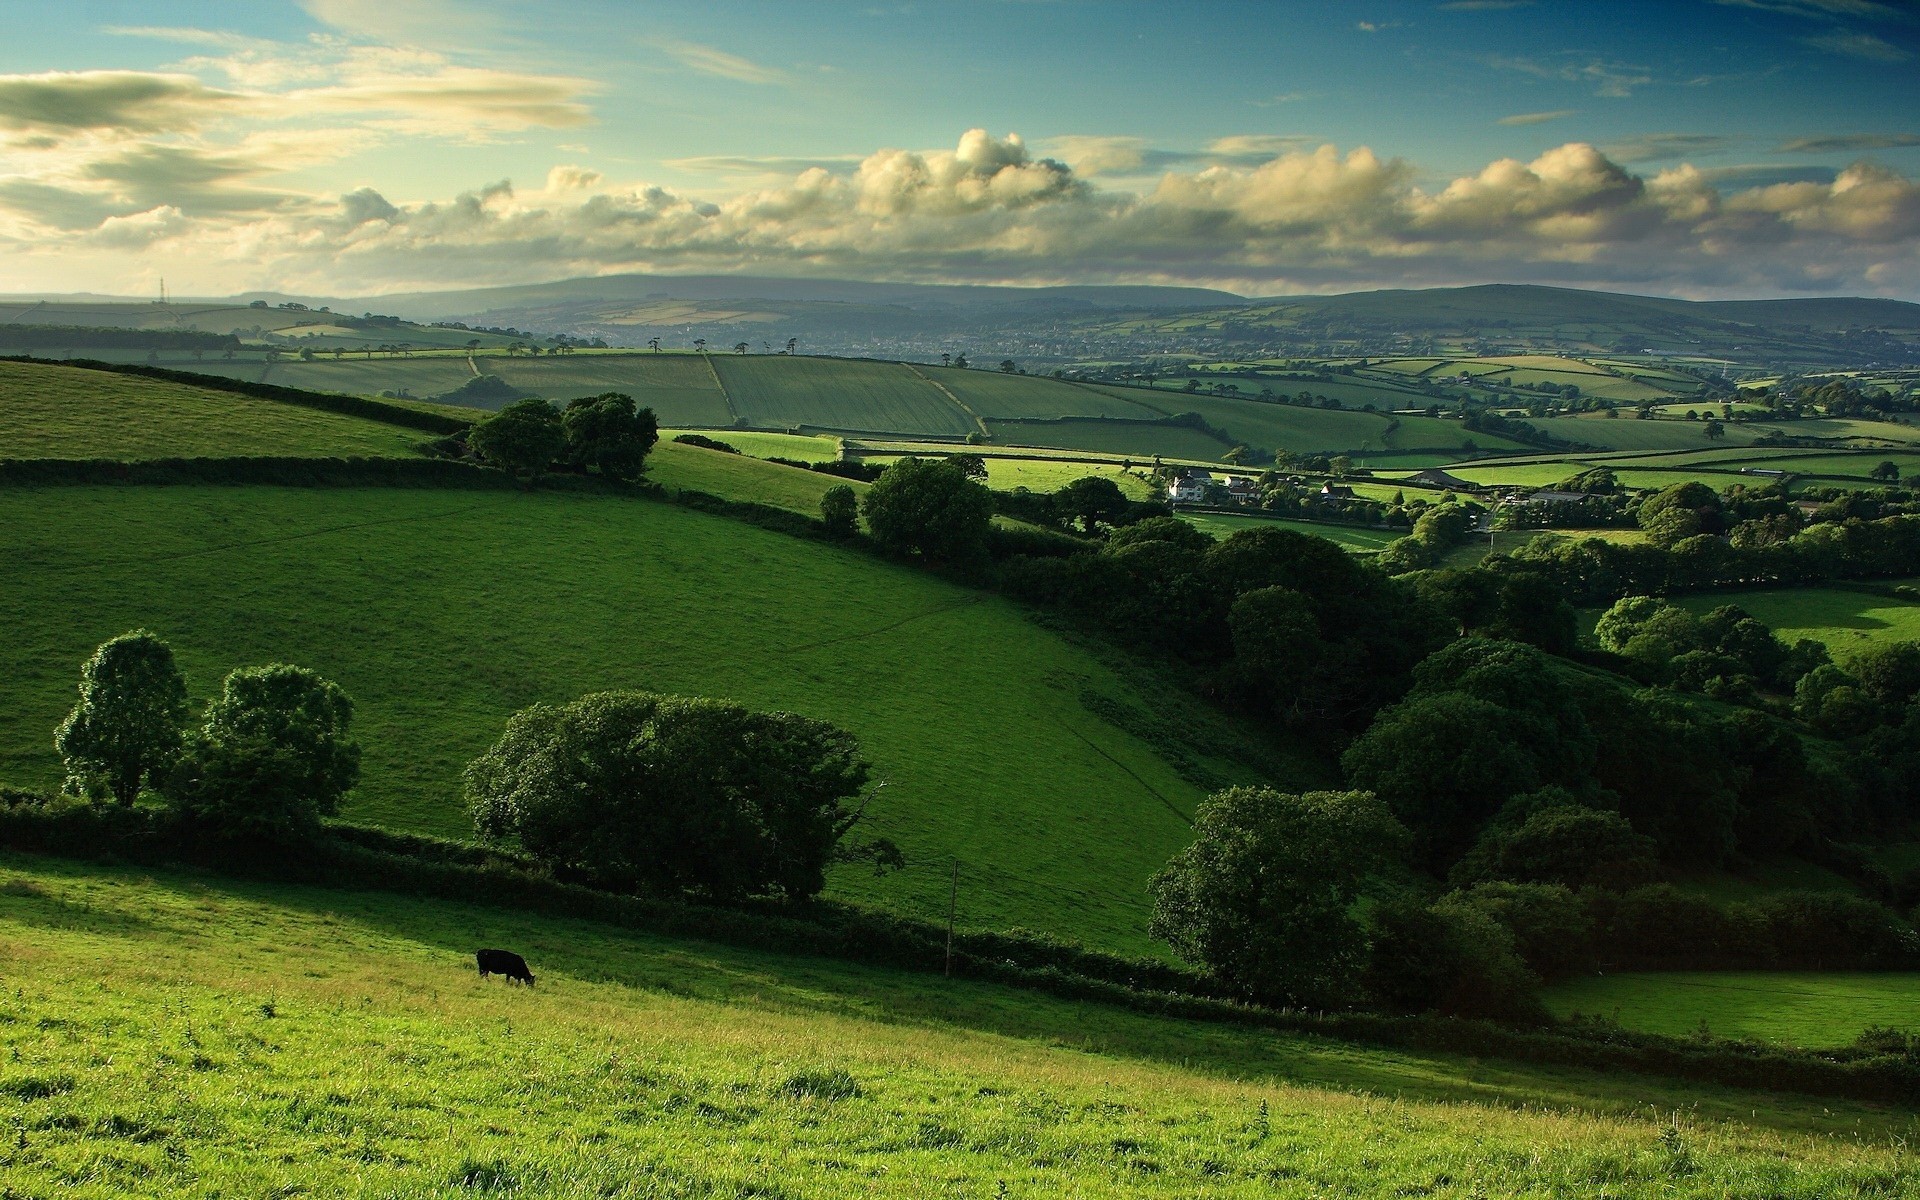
(990, 209)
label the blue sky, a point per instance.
(1709, 147)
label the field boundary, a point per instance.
(948, 393)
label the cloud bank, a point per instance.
(1257, 214)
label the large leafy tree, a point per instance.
(1263, 898)
(1093, 500)
(930, 508)
(272, 757)
(524, 437)
(126, 727)
(607, 433)
(671, 793)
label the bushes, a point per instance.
(671, 794)
(931, 509)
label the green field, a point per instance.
(1139, 441)
(1353, 537)
(1842, 618)
(799, 447)
(992, 395)
(1801, 1008)
(778, 392)
(742, 477)
(71, 412)
(173, 1034)
(442, 613)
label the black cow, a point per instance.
(503, 962)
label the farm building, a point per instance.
(1189, 486)
(1435, 477)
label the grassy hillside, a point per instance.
(778, 392)
(174, 1034)
(1843, 618)
(742, 477)
(1801, 1008)
(70, 412)
(444, 612)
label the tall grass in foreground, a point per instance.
(164, 1036)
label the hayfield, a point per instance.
(173, 1034)
(442, 613)
(1801, 1008)
(71, 412)
(779, 392)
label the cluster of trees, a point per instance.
(270, 757)
(83, 337)
(673, 795)
(605, 434)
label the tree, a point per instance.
(671, 794)
(792, 343)
(1887, 472)
(272, 757)
(607, 433)
(526, 435)
(126, 727)
(1008, 366)
(655, 344)
(960, 360)
(930, 508)
(1549, 837)
(700, 345)
(946, 360)
(1714, 430)
(840, 511)
(1262, 898)
(1092, 500)
(739, 347)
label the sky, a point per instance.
(1701, 148)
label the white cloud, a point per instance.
(1863, 46)
(709, 60)
(1537, 118)
(127, 101)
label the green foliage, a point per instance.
(524, 437)
(1559, 841)
(125, 729)
(1093, 501)
(1262, 897)
(272, 757)
(930, 508)
(840, 511)
(671, 794)
(1450, 959)
(606, 433)
(1552, 930)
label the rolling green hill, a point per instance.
(70, 412)
(174, 1034)
(443, 612)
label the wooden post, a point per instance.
(953, 906)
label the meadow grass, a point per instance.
(1844, 619)
(1801, 1008)
(778, 392)
(442, 613)
(1140, 442)
(169, 1033)
(801, 447)
(1353, 537)
(71, 412)
(742, 477)
(993, 394)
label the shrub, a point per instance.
(671, 793)
(272, 758)
(126, 727)
(929, 508)
(1452, 960)
(606, 433)
(840, 511)
(525, 436)
(1832, 930)
(1552, 931)
(706, 443)
(1565, 843)
(1262, 897)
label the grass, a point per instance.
(995, 395)
(742, 477)
(172, 1034)
(1353, 537)
(1843, 618)
(777, 392)
(70, 412)
(1141, 442)
(1801, 1008)
(443, 613)
(799, 447)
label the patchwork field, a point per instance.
(1801, 1008)
(71, 412)
(442, 613)
(160, 1041)
(831, 393)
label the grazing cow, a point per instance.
(503, 962)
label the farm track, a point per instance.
(948, 393)
(726, 397)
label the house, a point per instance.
(1189, 486)
(1552, 497)
(1243, 489)
(1336, 491)
(1434, 477)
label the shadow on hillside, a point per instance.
(568, 954)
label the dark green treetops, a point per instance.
(126, 727)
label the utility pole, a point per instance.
(953, 907)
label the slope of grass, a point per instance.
(742, 477)
(679, 388)
(442, 613)
(1802, 1008)
(800, 447)
(173, 1034)
(1140, 441)
(71, 412)
(778, 392)
(1353, 537)
(995, 395)
(1842, 618)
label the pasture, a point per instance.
(742, 477)
(70, 412)
(443, 612)
(1800, 1008)
(171, 1033)
(1844, 618)
(857, 395)
(1353, 537)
